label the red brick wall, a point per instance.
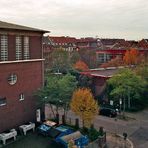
(29, 79)
(35, 43)
(35, 46)
(11, 47)
(99, 84)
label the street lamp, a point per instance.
(120, 102)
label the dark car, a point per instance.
(107, 112)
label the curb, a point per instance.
(131, 143)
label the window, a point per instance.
(109, 57)
(21, 97)
(2, 101)
(26, 48)
(12, 79)
(4, 48)
(18, 48)
(101, 57)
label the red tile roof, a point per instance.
(87, 40)
(62, 39)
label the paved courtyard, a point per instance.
(136, 127)
(31, 140)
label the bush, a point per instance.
(85, 131)
(93, 134)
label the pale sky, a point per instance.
(81, 18)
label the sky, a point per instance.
(126, 19)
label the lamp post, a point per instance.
(43, 114)
(125, 138)
(120, 103)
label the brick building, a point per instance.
(21, 73)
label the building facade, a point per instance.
(21, 73)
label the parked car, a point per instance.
(108, 112)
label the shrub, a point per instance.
(93, 134)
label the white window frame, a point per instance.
(21, 97)
(12, 79)
(18, 48)
(26, 48)
(4, 47)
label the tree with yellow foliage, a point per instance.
(84, 105)
(71, 144)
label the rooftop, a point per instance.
(5, 25)
(102, 72)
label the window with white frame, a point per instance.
(18, 48)
(4, 47)
(21, 97)
(26, 48)
(12, 79)
(101, 57)
(2, 101)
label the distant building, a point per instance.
(21, 73)
(88, 43)
(143, 44)
(51, 43)
(99, 77)
(112, 48)
(105, 48)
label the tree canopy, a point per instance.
(117, 61)
(127, 85)
(58, 90)
(81, 66)
(84, 105)
(131, 57)
(60, 61)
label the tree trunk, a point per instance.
(124, 106)
(129, 100)
(52, 110)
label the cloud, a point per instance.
(110, 18)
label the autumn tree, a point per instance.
(131, 57)
(80, 65)
(89, 57)
(84, 105)
(117, 61)
(74, 57)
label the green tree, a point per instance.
(48, 93)
(128, 86)
(66, 87)
(60, 61)
(58, 91)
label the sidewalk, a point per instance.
(113, 141)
